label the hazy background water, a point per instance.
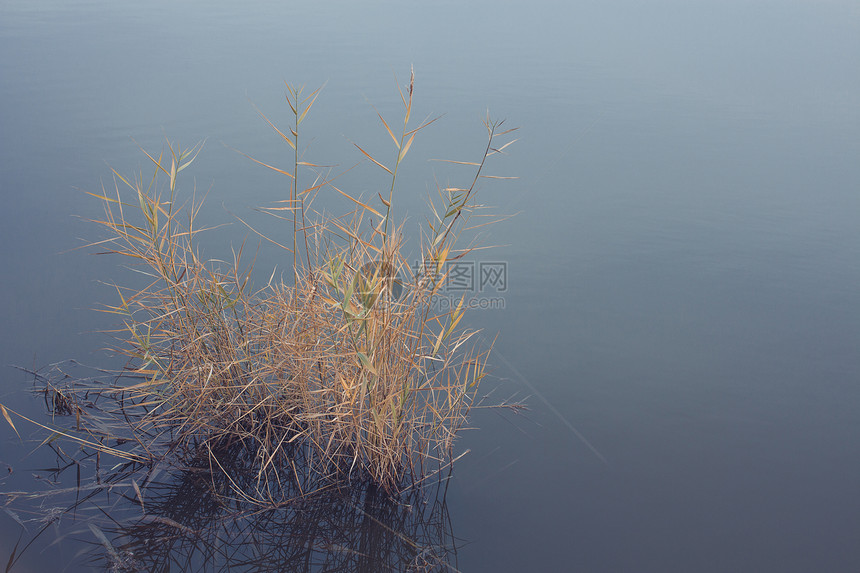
(682, 269)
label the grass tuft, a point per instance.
(347, 372)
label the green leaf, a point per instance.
(365, 362)
(347, 295)
(140, 197)
(195, 150)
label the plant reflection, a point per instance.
(193, 515)
(184, 525)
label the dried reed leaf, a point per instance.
(357, 202)
(366, 154)
(472, 163)
(272, 125)
(281, 171)
(9, 419)
(393, 138)
(406, 147)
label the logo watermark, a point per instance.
(479, 284)
(445, 303)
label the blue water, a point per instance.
(682, 313)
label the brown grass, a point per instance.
(346, 372)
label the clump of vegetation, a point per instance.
(347, 372)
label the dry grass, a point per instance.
(346, 372)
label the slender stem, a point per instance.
(294, 190)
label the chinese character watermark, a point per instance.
(460, 276)
(493, 275)
(470, 281)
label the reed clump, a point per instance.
(346, 371)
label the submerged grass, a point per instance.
(347, 372)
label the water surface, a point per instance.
(682, 312)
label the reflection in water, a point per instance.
(193, 516)
(185, 525)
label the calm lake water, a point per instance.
(682, 307)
